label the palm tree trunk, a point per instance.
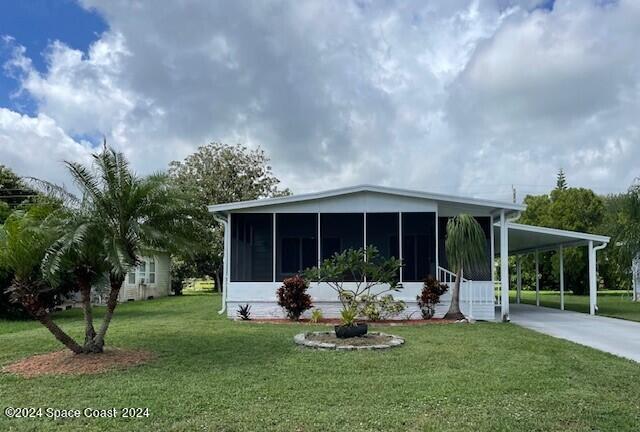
(58, 333)
(89, 330)
(112, 302)
(33, 305)
(454, 312)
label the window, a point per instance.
(152, 270)
(142, 272)
(339, 232)
(296, 243)
(418, 246)
(252, 247)
(383, 233)
(131, 278)
(483, 272)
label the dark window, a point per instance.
(382, 232)
(252, 247)
(339, 232)
(418, 246)
(296, 244)
(482, 273)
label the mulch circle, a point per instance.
(67, 363)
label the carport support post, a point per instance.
(537, 279)
(561, 278)
(504, 267)
(592, 279)
(519, 279)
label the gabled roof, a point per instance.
(364, 188)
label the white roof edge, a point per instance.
(555, 231)
(363, 188)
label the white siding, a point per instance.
(160, 288)
(262, 298)
(351, 203)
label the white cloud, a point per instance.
(462, 96)
(36, 146)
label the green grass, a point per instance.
(616, 304)
(214, 374)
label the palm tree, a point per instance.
(126, 214)
(24, 240)
(106, 231)
(465, 246)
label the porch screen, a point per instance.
(341, 231)
(418, 246)
(252, 247)
(383, 230)
(296, 243)
(483, 272)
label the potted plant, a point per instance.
(349, 327)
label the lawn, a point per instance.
(214, 374)
(616, 304)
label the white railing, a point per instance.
(469, 295)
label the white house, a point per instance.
(269, 239)
(151, 279)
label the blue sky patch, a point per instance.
(34, 24)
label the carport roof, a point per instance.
(529, 238)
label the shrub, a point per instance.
(293, 297)
(244, 312)
(432, 289)
(316, 316)
(376, 308)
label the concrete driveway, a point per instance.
(615, 336)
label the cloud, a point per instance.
(554, 89)
(463, 96)
(36, 146)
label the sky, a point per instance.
(464, 97)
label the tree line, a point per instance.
(580, 209)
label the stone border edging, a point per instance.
(301, 339)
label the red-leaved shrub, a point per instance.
(429, 297)
(293, 297)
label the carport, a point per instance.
(514, 239)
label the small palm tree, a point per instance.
(465, 246)
(24, 240)
(103, 234)
(124, 214)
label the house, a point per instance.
(269, 239)
(151, 279)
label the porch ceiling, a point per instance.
(528, 238)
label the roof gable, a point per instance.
(364, 188)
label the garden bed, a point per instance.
(67, 363)
(329, 341)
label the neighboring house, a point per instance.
(270, 239)
(151, 279)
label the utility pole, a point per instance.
(513, 191)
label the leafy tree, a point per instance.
(219, 173)
(626, 229)
(573, 209)
(365, 269)
(465, 246)
(13, 191)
